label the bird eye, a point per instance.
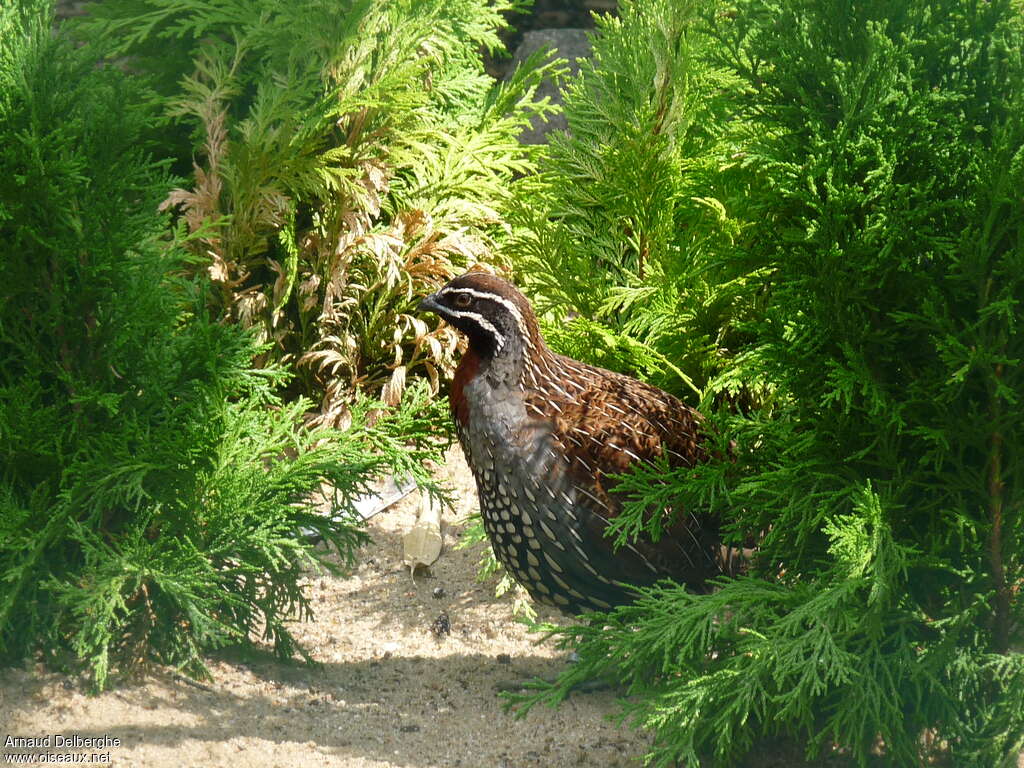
(462, 300)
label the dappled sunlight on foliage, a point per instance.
(626, 224)
(155, 492)
(349, 159)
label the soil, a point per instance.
(388, 691)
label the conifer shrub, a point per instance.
(154, 491)
(880, 151)
(350, 156)
(619, 239)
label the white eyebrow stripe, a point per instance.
(506, 303)
(482, 321)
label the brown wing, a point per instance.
(606, 423)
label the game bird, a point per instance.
(543, 433)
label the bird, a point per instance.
(543, 433)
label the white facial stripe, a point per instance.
(483, 322)
(506, 303)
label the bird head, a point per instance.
(496, 318)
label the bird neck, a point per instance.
(491, 376)
(520, 360)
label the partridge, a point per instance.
(542, 433)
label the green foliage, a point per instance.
(351, 156)
(154, 492)
(625, 223)
(581, 339)
(880, 150)
(714, 673)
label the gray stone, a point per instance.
(569, 44)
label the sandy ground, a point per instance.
(389, 691)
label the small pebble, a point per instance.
(441, 626)
(438, 593)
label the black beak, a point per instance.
(429, 304)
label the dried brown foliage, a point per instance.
(328, 196)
